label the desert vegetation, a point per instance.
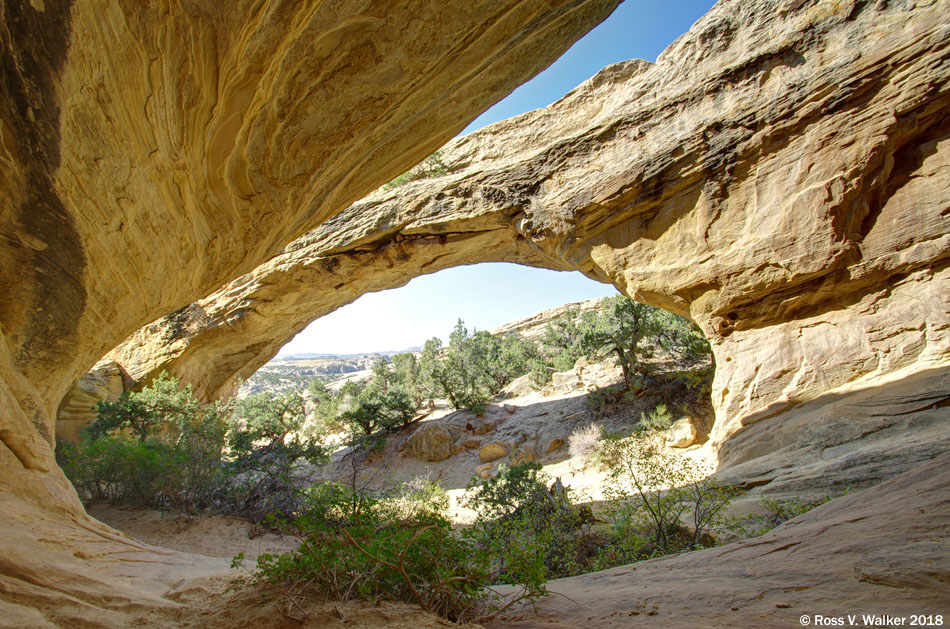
(251, 458)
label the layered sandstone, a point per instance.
(105, 382)
(781, 175)
(153, 151)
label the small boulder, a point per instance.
(524, 455)
(556, 444)
(681, 434)
(431, 442)
(492, 452)
(484, 428)
(484, 470)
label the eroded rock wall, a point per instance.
(780, 175)
(151, 152)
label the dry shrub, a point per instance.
(584, 441)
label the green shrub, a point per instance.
(626, 330)
(157, 448)
(266, 443)
(162, 448)
(774, 512)
(528, 531)
(650, 492)
(432, 166)
(183, 474)
(658, 419)
(475, 366)
(360, 547)
(161, 405)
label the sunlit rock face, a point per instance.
(781, 175)
(153, 151)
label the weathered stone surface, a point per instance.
(854, 436)
(431, 442)
(483, 470)
(524, 455)
(780, 175)
(480, 428)
(681, 434)
(102, 383)
(492, 451)
(761, 178)
(532, 327)
(152, 152)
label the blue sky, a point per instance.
(487, 295)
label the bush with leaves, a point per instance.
(658, 419)
(362, 547)
(266, 443)
(407, 377)
(432, 166)
(475, 366)
(162, 448)
(325, 412)
(161, 405)
(629, 331)
(158, 448)
(773, 512)
(563, 340)
(625, 329)
(650, 492)
(372, 409)
(530, 532)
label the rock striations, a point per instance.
(781, 175)
(153, 151)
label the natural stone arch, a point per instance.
(735, 181)
(760, 168)
(152, 152)
(226, 337)
(192, 141)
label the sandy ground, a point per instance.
(883, 550)
(209, 535)
(205, 600)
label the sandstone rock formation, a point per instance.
(431, 442)
(492, 451)
(153, 151)
(103, 383)
(681, 434)
(780, 175)
(850, 556)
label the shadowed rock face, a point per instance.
(153, 151)
(781, 175)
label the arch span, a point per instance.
(756, 179)
(223, 339)
(152, 151)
